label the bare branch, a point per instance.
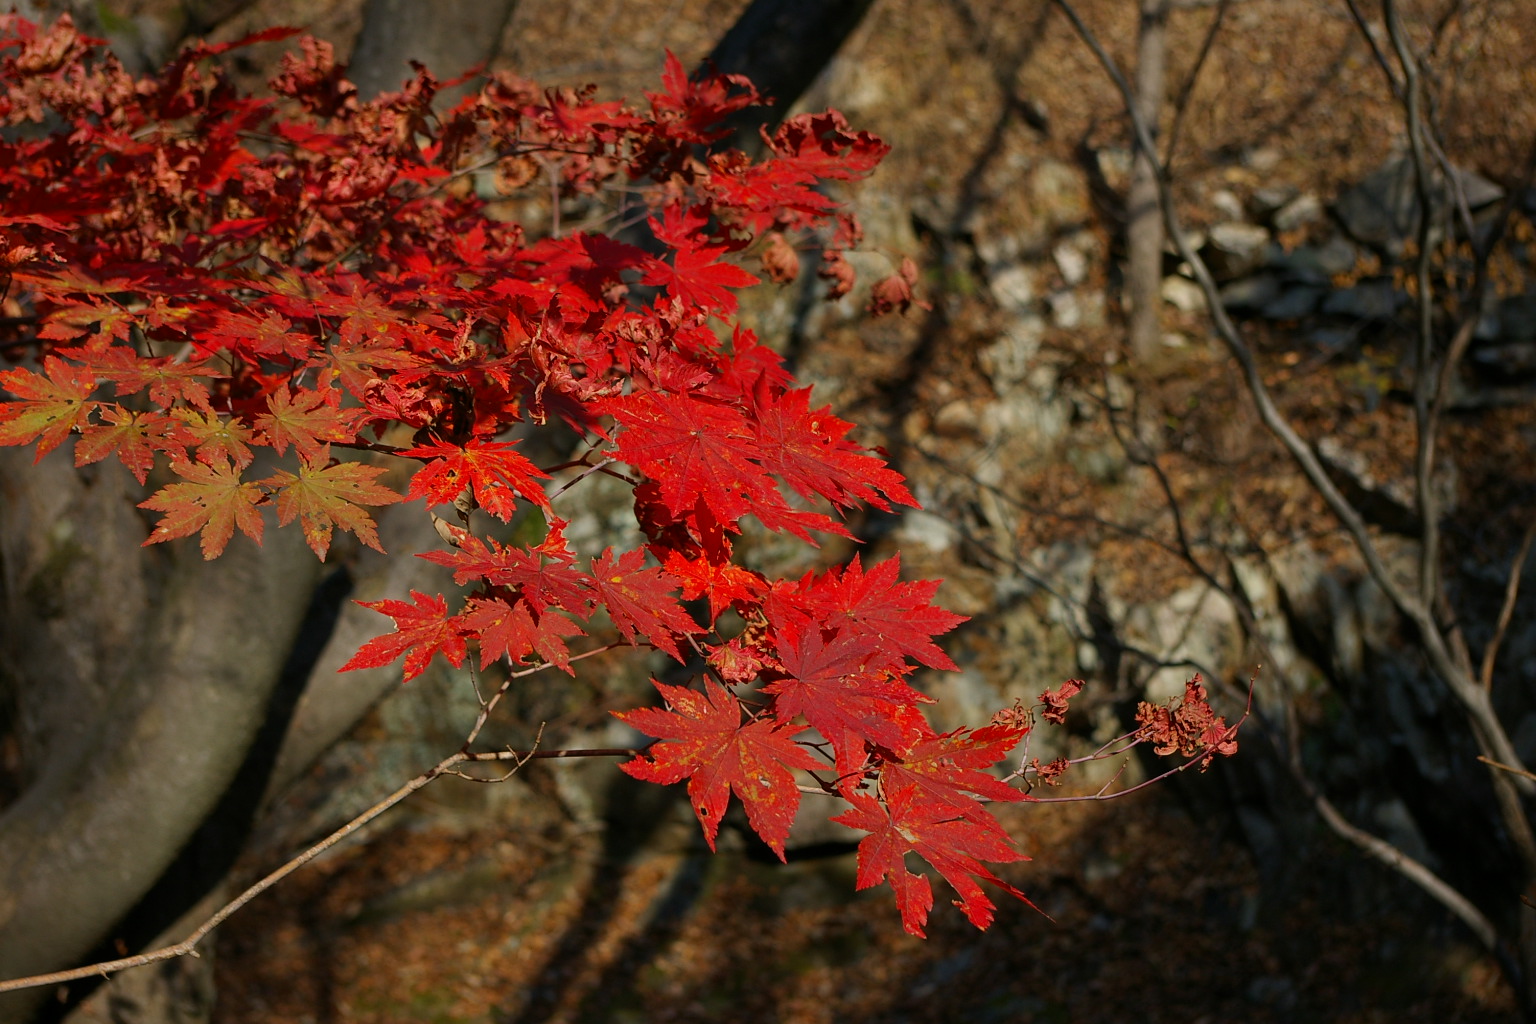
(1511, 592)
(1490, 733)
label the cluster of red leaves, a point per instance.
(216, 280)
(1188, 727)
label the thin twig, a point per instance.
(1511, 592)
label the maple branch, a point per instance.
(539, 755)
(601, 467)
(188, 946)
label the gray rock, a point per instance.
(1335, 338)
(1392, 503)
(1225, 202)
(1513, 360)
(1315, 264)
(1294, 303)
(1235, 250)
(1263, 158)
(1066, 310)
(1266, 201)
(1013, 286)
(1250, 294)
(1305, 209)
(1072, 263)
(1517, 318)
(1006, 361)
(1183, 294)
(1383, 210)
(1369, 300)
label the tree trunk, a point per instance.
(1144, 219)
(781, 45)
(448, 36)
(135, 679)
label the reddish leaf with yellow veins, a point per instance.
(52, 404)
(211, 499)
(330, 496)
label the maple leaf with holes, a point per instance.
(876, 604)
(639, 601)
(494, 469)
(423, 628)
(957, 846)
(77, 320)
(704, 740)
(820, 145)
(308, 421)
(212, 499)
(323, 497)
(52, 404)
(515, 630)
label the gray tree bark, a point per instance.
(1144, 218)
(448, 36)
(136, 679)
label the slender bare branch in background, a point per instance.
(1507, 612)
(1419, 601)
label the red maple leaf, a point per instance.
(697, 278)
(640, 601)
(130, 373)
(513, 631)
(693, 449)
(496, 472)
(704, 741)
(134, 437)
(267, 335)
(216, 437)
(808, 451)
(821, 145)
(210, 499)
(956, 846)
(423, 628)
(876, 604)
(945, 769)
(834, 686)
(722, 582)
(543, 575)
